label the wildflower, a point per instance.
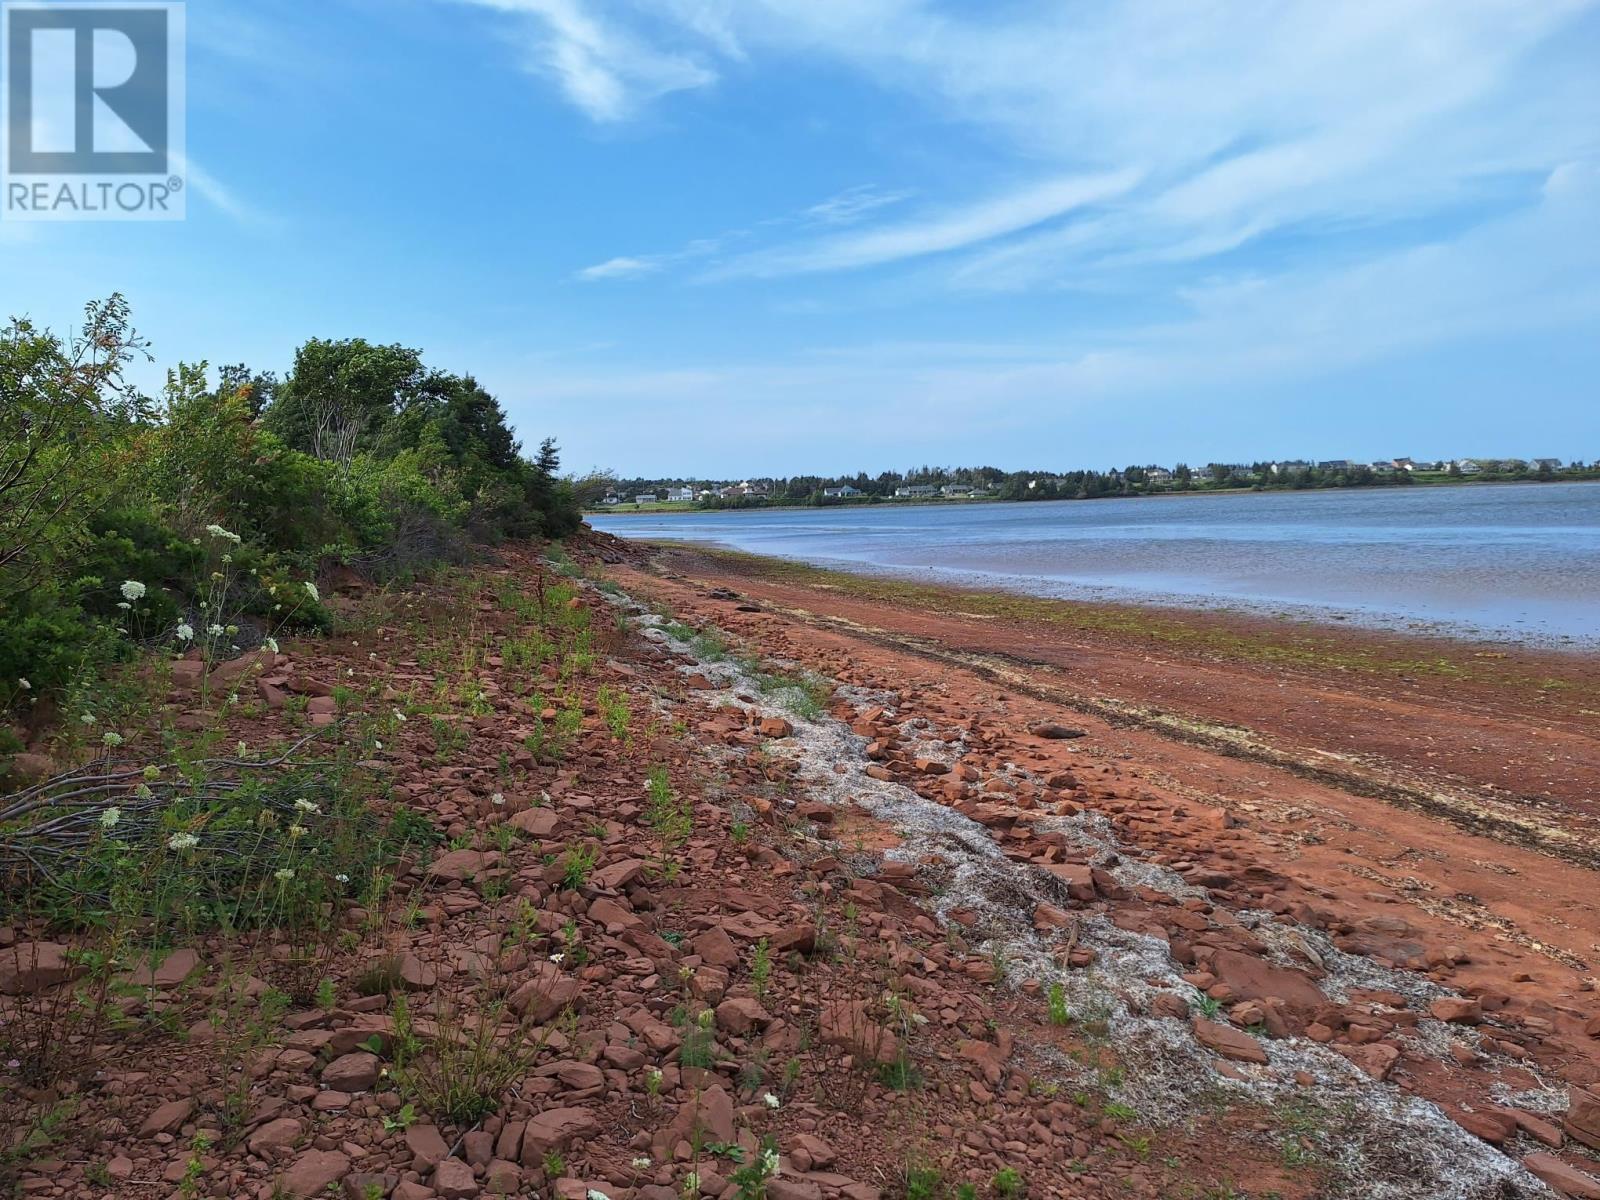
(770, 1100)
(214, 630)
(653, 1074)
(227, 558)
(109, 818)
(769, 1161)
(305, 806)
(377, 743)
(182, 841)
(271, 644)
(497, 799)
(185, 632)
(132, 589)
(341, 878)
(87, 718)
(311, 590)
(25, 685)
(233, 697)
(399, 716)
(558, 958)
(691, 1184)
(124, 605)
(595, 1194)
(297, 831)
(217, 531)
(143, 792)
(283, 874)
(641, 1163)
(112, 739)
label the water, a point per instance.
(1518, 562)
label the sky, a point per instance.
(728, 238)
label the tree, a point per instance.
(63, 411)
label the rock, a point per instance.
(457, 865)
(1582, 1121)
(716, 947)
(1491, 1125)
(1566, 1180)
(30, 967)
(280, 1134)
(818, 1152)
(355, 1072)
(576, 1076)
(453, 1180)
(618, 875)
(1056, 733)
(168, 1118)
(366, 1186)
(780, 1188)
(741, 1014)
(169, 973)
(427, 1145)
(546, 994)
(774, 727)
(848, 1024)
(536, 822)
(1457, 1010)
(414, 975)
(1227, 1041)
(554, 1129)
(311, 1173)
(1377, 1059)
(1252, 978)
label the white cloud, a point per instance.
(954, 229)
(852, 204)
(1241, 120)
(619, 268)
(604, 68)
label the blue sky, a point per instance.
(729, 237)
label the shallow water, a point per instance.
(1518, 562)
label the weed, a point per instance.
(579, 864)
(1007, 1182)
(1059, 1014)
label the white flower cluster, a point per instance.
(182, 841)
(132, 589)
(217, 531)
(185, 632)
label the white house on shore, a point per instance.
(680, 493)
(843, 492)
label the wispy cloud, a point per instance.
(620, 268)
(1240, 122)
(854, 203)
(602, 66)
(953, 229)
(217, 194)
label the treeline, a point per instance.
(995, 484)
(120, 513)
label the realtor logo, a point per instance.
(92, 111)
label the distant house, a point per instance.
(956, 489)
(680, 493)
(916, 489)
(645, 498)
(1547, 464)
(843, 492)
(612, 500)
(1469, 466)
(1157, 475)
(1386, 467)
(1290, 467)
(746, 488)
(1401, 464)
(1335, 464)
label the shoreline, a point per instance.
(1220, 623)
(1490, 737)
(661, 510)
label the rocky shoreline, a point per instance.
(796, 914)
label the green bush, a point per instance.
(362, 455)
